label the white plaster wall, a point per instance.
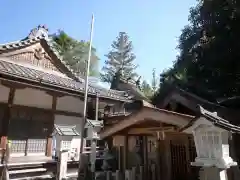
(33, 97)
(70, 104)
(4, 92)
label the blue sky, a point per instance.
(153, 25)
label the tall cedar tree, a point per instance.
(120, 59)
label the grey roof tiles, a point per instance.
(21, 71)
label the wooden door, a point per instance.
(28, 132)
(182, 150)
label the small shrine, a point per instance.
(64, 141)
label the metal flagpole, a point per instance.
(83, 122)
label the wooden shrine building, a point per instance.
(154, 134)
(38, 90)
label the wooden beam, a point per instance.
(6, 118)
(13, 85)
(59, 112)
(149, 130)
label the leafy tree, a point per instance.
(208, 63)
(75, 53)
(63, 42)
(120, 59)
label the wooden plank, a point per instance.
(30, 108)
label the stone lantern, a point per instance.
(211, 136)
(93, 128)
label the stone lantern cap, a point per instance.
(214, 119)
(93, 123)
(66, 130)
(211, 136)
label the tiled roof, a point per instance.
(20, 71)
(32, 74)
(29, 41)
(218, 121)
(215, 119)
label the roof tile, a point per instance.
(21, 71)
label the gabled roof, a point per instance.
(93, 123)
(73, 82)
(215, 119)
(147, 114)
(186, 98)
(47, 44)
(66, 130)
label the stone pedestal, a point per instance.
(62, 165)
(212, 173)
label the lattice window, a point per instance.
(66, 145)
(208, 144)
(36, 145)
(17, 146)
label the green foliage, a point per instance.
(209, 51)
(75, 53)
(120, 59)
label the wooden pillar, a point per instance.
(158, 156)
(125, 152)
(6, 118)
(120, 158)
(163, 161)
(145, 156)
(49, 138)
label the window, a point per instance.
(208, 144)
(66, 145)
